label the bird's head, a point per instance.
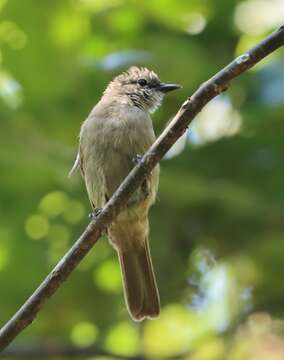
(142, 86)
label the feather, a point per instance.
(76, 165)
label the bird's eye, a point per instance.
(142, 82)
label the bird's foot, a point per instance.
(95, 213)
(136, 159)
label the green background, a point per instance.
(217, 229)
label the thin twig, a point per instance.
(207, 91)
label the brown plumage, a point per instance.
(118, 128)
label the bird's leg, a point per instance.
(95, 213)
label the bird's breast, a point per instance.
(125, 128)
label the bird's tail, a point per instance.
(140, 289)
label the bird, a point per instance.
(117, 132)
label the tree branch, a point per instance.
(207, 91)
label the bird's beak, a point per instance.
(168, 87)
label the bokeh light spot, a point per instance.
(37, 227)
(172, 333)
(84, 334)
(212, 349)
(123, 339)
(195, 23)
(69, 28)
(54, 203)
(219, 119)
(107, 276)
(258, 16)
(10, 90)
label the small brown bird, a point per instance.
(117, 130)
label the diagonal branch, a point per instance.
(192, 106)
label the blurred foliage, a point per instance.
(219, 254)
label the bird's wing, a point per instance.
(77, 164)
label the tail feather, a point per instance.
(140, 289)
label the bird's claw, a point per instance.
(95, 213)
